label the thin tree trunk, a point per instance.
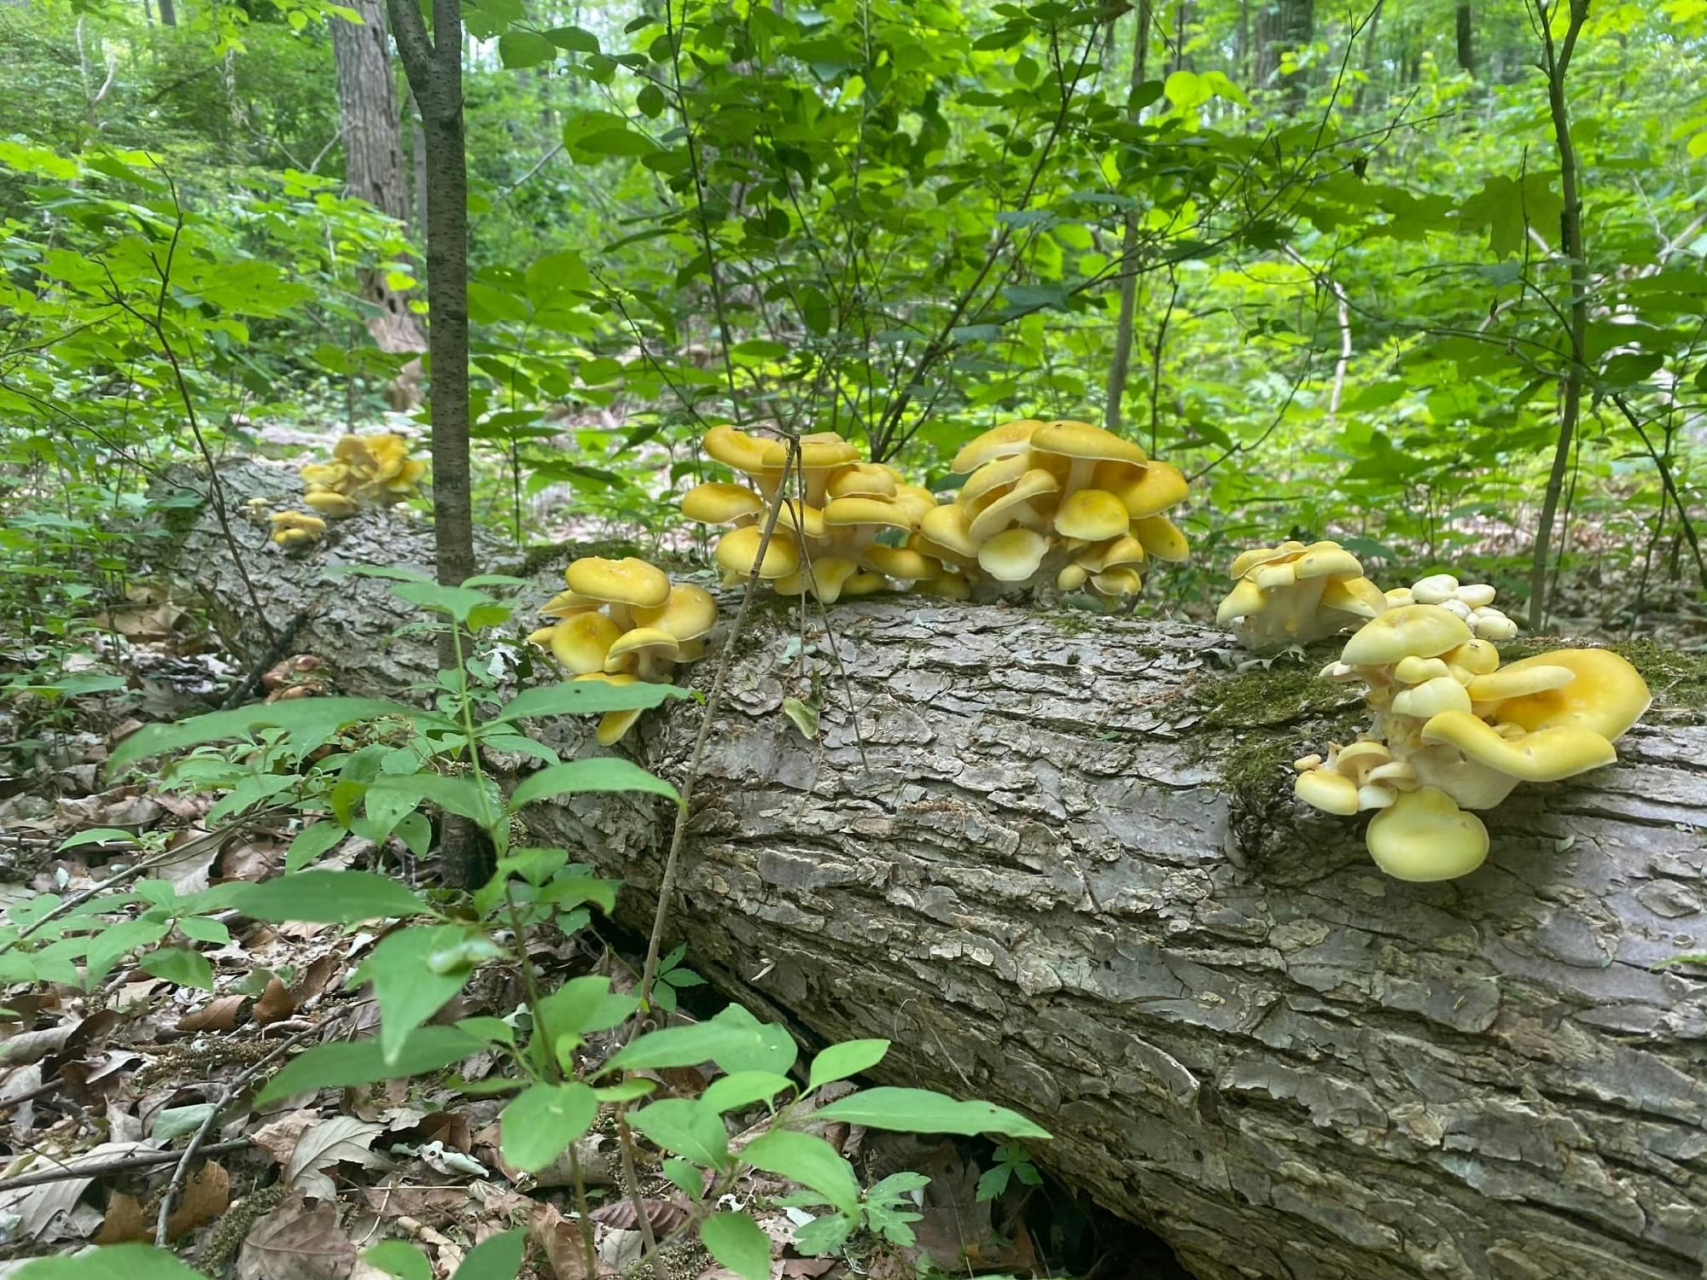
(418, 162)
(373, 155)
(1120, 367)
(1557, 64)
(1284, 26)
(434, 67)
(1466, 33)
(168, 13)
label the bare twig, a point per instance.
(1670, 484)
(119, 1164)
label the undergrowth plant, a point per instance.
(570, 1053)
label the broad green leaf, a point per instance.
(732, 1046)
(117, 1262)
(408, 988)
(201, 929)
(400, 1259)
(730, 1093)
(327, 897)
(588, 698)
(313, 718)
(312, 842)
(923, 1111)
(458, 795)
(116, 940)
(525, 49)
(540, 1124)
(497, 1258)
(736, 1241)
(582, 1006)
(177, 1122)
(339, 1065)
(810, 1161)
(770, 1048)
(689, 1128)
(605, 773)
(180, 965)
(840, 1061)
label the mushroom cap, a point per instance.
(1070, 439)
(735, 449)
(1545, 755)
(1478, 657)
(900, 562)
(613, 724)
(1092, 514)
(329, 502)
(879, 511)
(1117, 582)
(1013, 556)
(1432, 698)
(1519, 680)
(824, 578)
(642, 641)
(689, 613)
(299, 521)
(1437, 588)
(1276, 575)
(1328, 560)
(1112, 553)
(324, 475)
(1478, 595)
(1327, 790)
(1420, 630)
(718, 503)
(803, 519)
(818, 451)
(1607, 696)
(950, 586)
(1162, 485)
(916, 500)
(864, 584)
(1424, 836)
(950, 527)
(1414, 670)
(1358, 758)
(628, 581)
(998, 442)
(992, 476)
(581, 643)
(1162, 538)
(1072, 577)
(566, 604)
(863, 479)
(1491, 624)
(738, 549)
(1245, 561)
(998, 514)
(1244, 600)
(1357, 596)
(353, 451)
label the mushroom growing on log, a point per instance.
(1059, 863)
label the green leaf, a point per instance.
(736, 1241)
(314, 718)
(525, 49)
(573, 39)
(604, 773)
(804, 715)
(498, 1258)
(118, 1262)
(730, 1093)
(810, 1161)
(923, 1111)
(177, 1122)
(588, 698)
(458, 795)
(313, 842)
(732, 1046)
(840, 1061)
(180, 965)
(408, 988)
(582, 1006)
(327, 897)
(117, 940)
(688, 1128)
(336, 1066)
(396, 1258)
(539, 1125)
(201, 929)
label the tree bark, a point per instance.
(1283, 26)
(168, 13)
(1464, 30)
(373, 155)
(1055, 859)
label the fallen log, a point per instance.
(1055, 859)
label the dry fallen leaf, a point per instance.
(124, 1222)
(560, 1240)
(216, 1015)
(275, 1005)
(315, 979)
(294, 1242)
(206, 1196)
(47, 1212)
(324, 1145)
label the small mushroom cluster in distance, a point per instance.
(621, 621)
(1453, 730)
(826, 539)
(1297, 593)
(363, 469)
(1064, 504)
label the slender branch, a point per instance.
(1670, 485)
(119, 1164)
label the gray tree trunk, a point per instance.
(1055, 859)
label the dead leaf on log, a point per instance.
(217, 1015)
(123, 1222)
(294, 1242)
(207, 1195)
(560, 1241)
(275, 1005)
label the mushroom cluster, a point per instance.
(294, 530)
(1296, 593)
(1064, 503)
(826, 541)
(1454, 730)
(1473, 602)
(363, 468)
(621, 621)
